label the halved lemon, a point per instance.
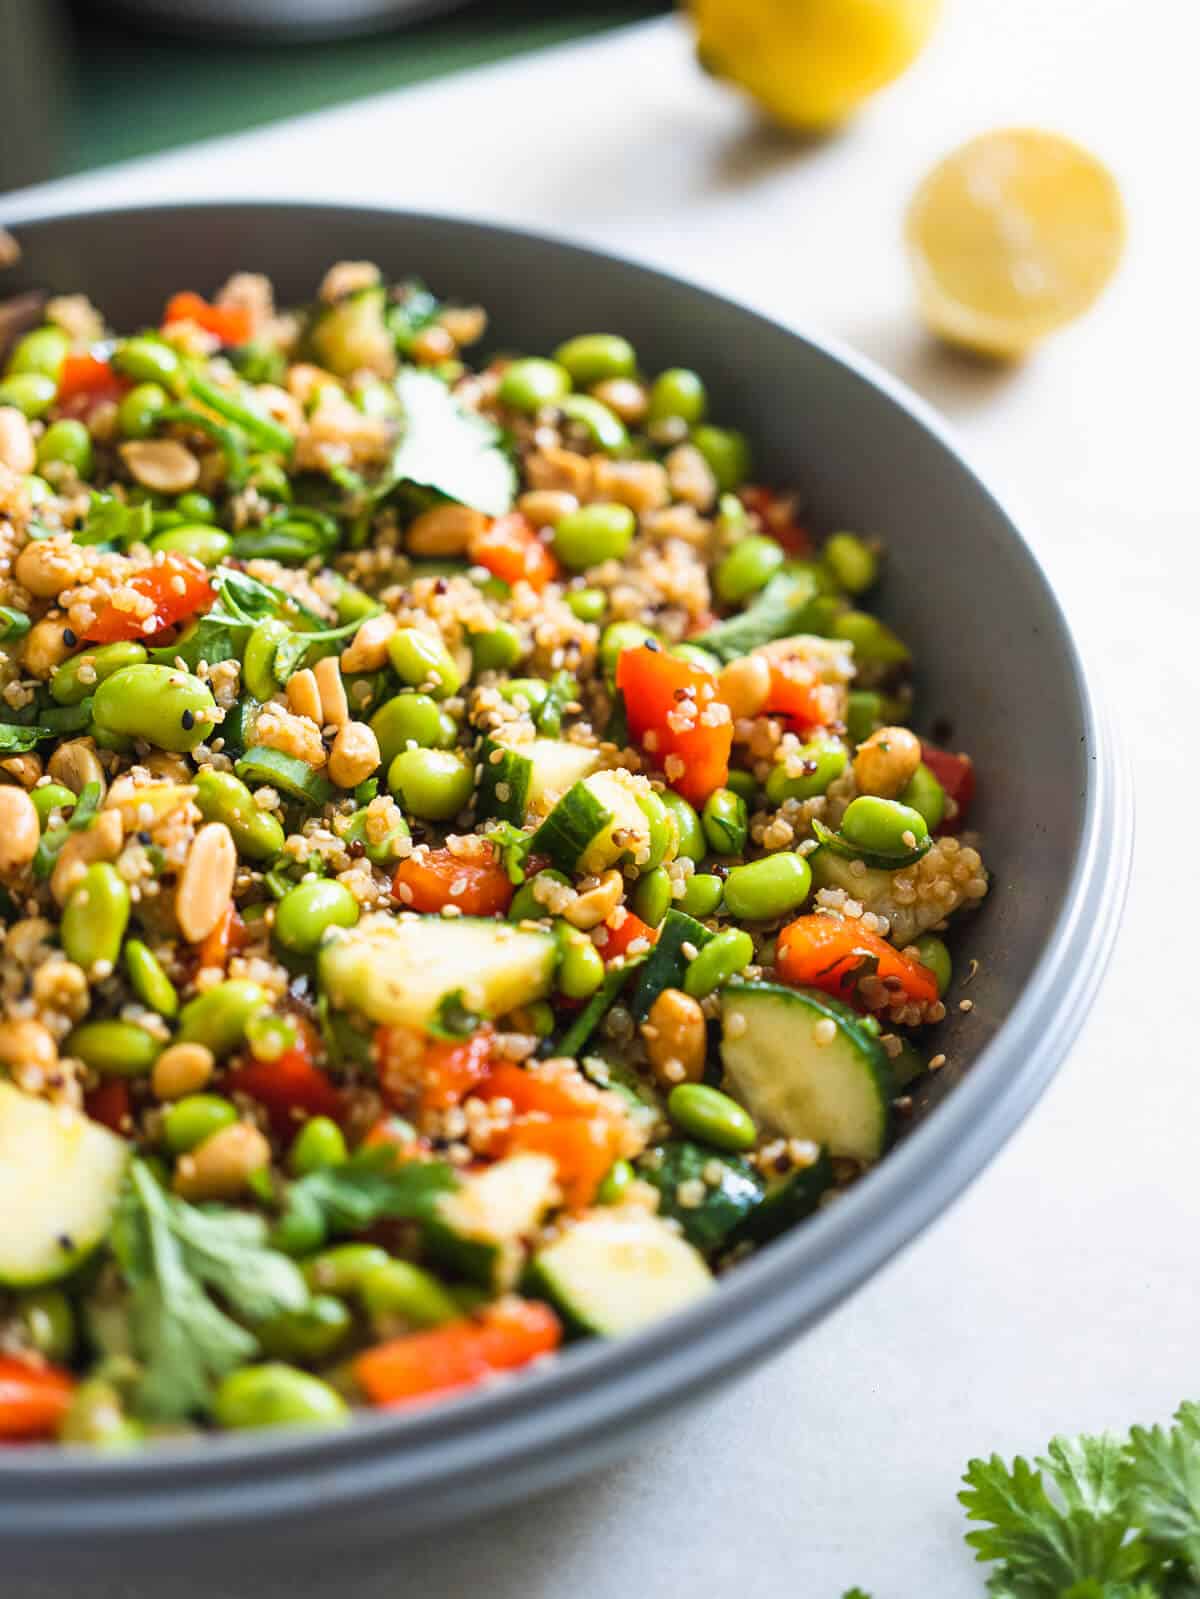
(1011, 236)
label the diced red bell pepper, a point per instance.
(797, 693)
(419, 1074)
(231, 324)
(459, 1354)
(512, 551)
(956, 774)
(109, 1104)
(437, 878)
(557, 1112)
(177, 589)
(619, 937)
(832, 953)
(33, 1399)
(88, 377)
(675, 715)
(290, 1088)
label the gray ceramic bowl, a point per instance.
(997, 661)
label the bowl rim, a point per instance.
(599, 1389)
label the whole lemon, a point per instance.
(810, 63)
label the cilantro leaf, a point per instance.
(15, 740)
(1049, 1545)
(1164, 1484)
(373, 1186)
(169, 1253)
(444, 446)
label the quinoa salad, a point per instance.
(467, 877)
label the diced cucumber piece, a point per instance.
(710, 1195)
(804, 1066)
(875, 889)
(666, 963)
(60, 1174)
(614, 1272)
(557, 766)
(352, 335)
(400, 971)
(479, 1230)
(530, 777)
(788, 1200)
(596, 823)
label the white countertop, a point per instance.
(1061, 1292)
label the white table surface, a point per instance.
(1062, 1291)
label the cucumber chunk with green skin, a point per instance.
(666, 964)
(480, 1230)
(60, 1174)
(615, 1272)
(596, 823)
(710, 1195)
(530, 777)
(787, 1201)
(400, 971)
(804, 1066)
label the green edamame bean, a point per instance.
(743, 784)
(581, 965)
(864, 713)
(306, 913)
(593, 357)
(677, 392)
(541, 1018)
(31, 393)
(618, 637)
(52, 797)
(432, 784)
(410, 718)
(192, 1120)
(932, 952)
(42, 351)
(66, 442)
(163, 705)
(497, 650)
(95, 917)
(319, 1143)
(309, 1334)
(616, 1184)
(139, 410)
(822, 763)
(195, 507)
(733, 519)
(652, 896)
(662, 841)
(698, 656)
(217, 1018)
(770, 887)
(692, 841)
(702, 895)
(883, 825)
(208, 545)
(712, 1117)
(301, 1228)
(724, 956)
(747, 568)
(114, 1048)
(341, 1270)
(603, 427)
(727, 454)
(148, 979)
(258, 658)
(94, 1416)
(874, 643)
(424, 662)
(529, 692)
(725, 822)
(925, 794)
(222, 797)
(853, 562)
(526, 906)
(594, 533)
(275, 1395)
(147, 360)
(397, 1289)
(588, 605)
(48, 1322)
(529, 384)
(67, 685)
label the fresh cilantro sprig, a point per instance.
(174, 1258)
(371, 1187)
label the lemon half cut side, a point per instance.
(1011, 236)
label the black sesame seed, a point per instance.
(653, 644)
(143, 836)
(70, 637)
(188, 720)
